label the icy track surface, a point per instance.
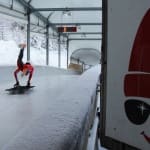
(52, 116)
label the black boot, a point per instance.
(17, 84)
(28, 83)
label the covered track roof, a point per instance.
(46, 16)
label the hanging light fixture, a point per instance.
(67, 13)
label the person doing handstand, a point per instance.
(26, 69)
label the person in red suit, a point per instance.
(26, 69)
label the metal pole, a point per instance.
(28, 36)
(68, 9)
(47, 45)
(84, 39)
(67, 52)
(77, 23)
(59, 52)
(78, 33)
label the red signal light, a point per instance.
(67, 29)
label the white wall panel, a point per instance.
(124, 18)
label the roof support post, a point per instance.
(59, 52)
(67, 52)
(12, 4)
(47, 44)
(28, 36)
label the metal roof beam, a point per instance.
(69, 9)
(37, 14)
(29, 1)
(78, 33)
(50, 14)
(11, 7)
(76, 24)
(88, 39)
(28, 6)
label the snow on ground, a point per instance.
(9, 51)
